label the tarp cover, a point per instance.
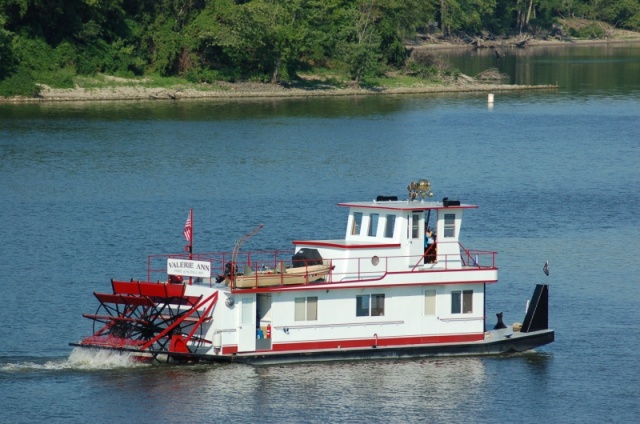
(306, 257)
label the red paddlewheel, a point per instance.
(149, 317)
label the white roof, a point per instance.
(404, 205)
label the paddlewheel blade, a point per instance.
(151, 318)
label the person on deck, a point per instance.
(429, 247)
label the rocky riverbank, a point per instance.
(253, 90)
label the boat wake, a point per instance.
(88, 359)
(79, 359)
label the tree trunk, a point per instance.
(274, 75)
(526, 22)
(443, 13)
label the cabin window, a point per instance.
(357, 223)
(429, 302)
(377, 305)
(370, 305)
(389, 226)
(449, 225)
(462, 302)
(306, 308)
(373, 225)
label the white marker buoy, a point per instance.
(490, 99)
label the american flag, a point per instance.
(187, 229)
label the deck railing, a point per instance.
(342, 269)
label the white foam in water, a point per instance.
(100, 359)
(79, 359)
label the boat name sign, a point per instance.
(188, 268)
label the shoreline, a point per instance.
(532, 43)
(250, 91)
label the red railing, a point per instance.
(342, 269)
(477, 258)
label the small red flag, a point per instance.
(187, 229)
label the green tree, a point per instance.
(360, 45)
(274, 32)
(7, 58)
(619, 13)
(464, 15)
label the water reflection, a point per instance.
(575, 68)
(407, 390)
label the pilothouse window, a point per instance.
(449, 225)
(389, 226)
(357, 223)
(373, 225)
(415, 226)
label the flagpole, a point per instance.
(191, 243)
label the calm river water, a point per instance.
(89, 190)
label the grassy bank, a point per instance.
(104, 87)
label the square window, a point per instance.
(362, 305)
(377, 305)
(370, 305)
(306, 308)
(462, 302)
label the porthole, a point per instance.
(375, 260)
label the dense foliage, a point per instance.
(268, 40)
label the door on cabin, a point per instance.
(430, 324)
(247, 323)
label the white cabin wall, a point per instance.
(225, 320)
(448, 248)
(351, 263)
(404, 315)
(462, 322)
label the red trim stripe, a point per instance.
(399, 342)
(359, 285)
(386, 342)
(344, 245)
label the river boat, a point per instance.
(376, 293)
